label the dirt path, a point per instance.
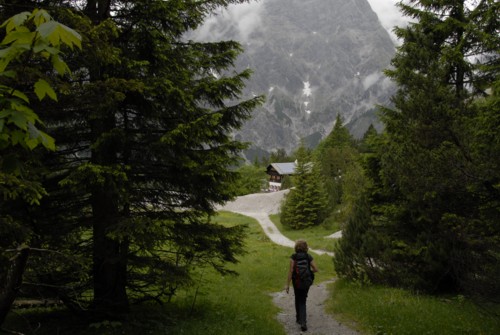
(318, 322)
(259, 206)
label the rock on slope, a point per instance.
(312, 59)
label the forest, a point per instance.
(110, 122)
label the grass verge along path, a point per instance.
(382, 310)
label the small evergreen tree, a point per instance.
(358, 241)
(338, 137)
(363, 145)
(305, 204)
(335, 154)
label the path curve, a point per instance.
(259, 206)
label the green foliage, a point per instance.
(338, 137)
(242, 304)
(426, 220)
(363, 145)
(287, 183)
(144, 153)
(337, 156)
(252, 179)
(352, 248)
(229, 304)
(305, 204)
(336, 162)
(31, 40)
(21, 44)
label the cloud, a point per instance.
(371, 79)
(247, 16)
(242, 19)
(388, 15)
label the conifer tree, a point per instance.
(338, 137)
(335, 154)
(429, 205)
(363, 145)
(144, 150)
(305, 204)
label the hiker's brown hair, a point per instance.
(301, 246)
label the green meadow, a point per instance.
(242, 304)
(315, 235)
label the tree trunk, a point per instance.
(109, 258)
(109, 253)
(11, 279)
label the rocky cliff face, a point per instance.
(312, 59)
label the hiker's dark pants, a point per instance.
(300, 305)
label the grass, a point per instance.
(242, 305)
(390, 311)
(315, 235)
(223, 305)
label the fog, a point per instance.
(388, 15)
(244, 18)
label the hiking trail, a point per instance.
(259, 206)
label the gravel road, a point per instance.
(259, 206)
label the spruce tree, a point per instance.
(144, 150)
(430, 207)
(305, 204)
(363, 145)
(336, 154)
(338, 137)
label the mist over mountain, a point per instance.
(312, 59)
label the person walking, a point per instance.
(300, 290)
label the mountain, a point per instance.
(312, 59)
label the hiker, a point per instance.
(302, 268)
